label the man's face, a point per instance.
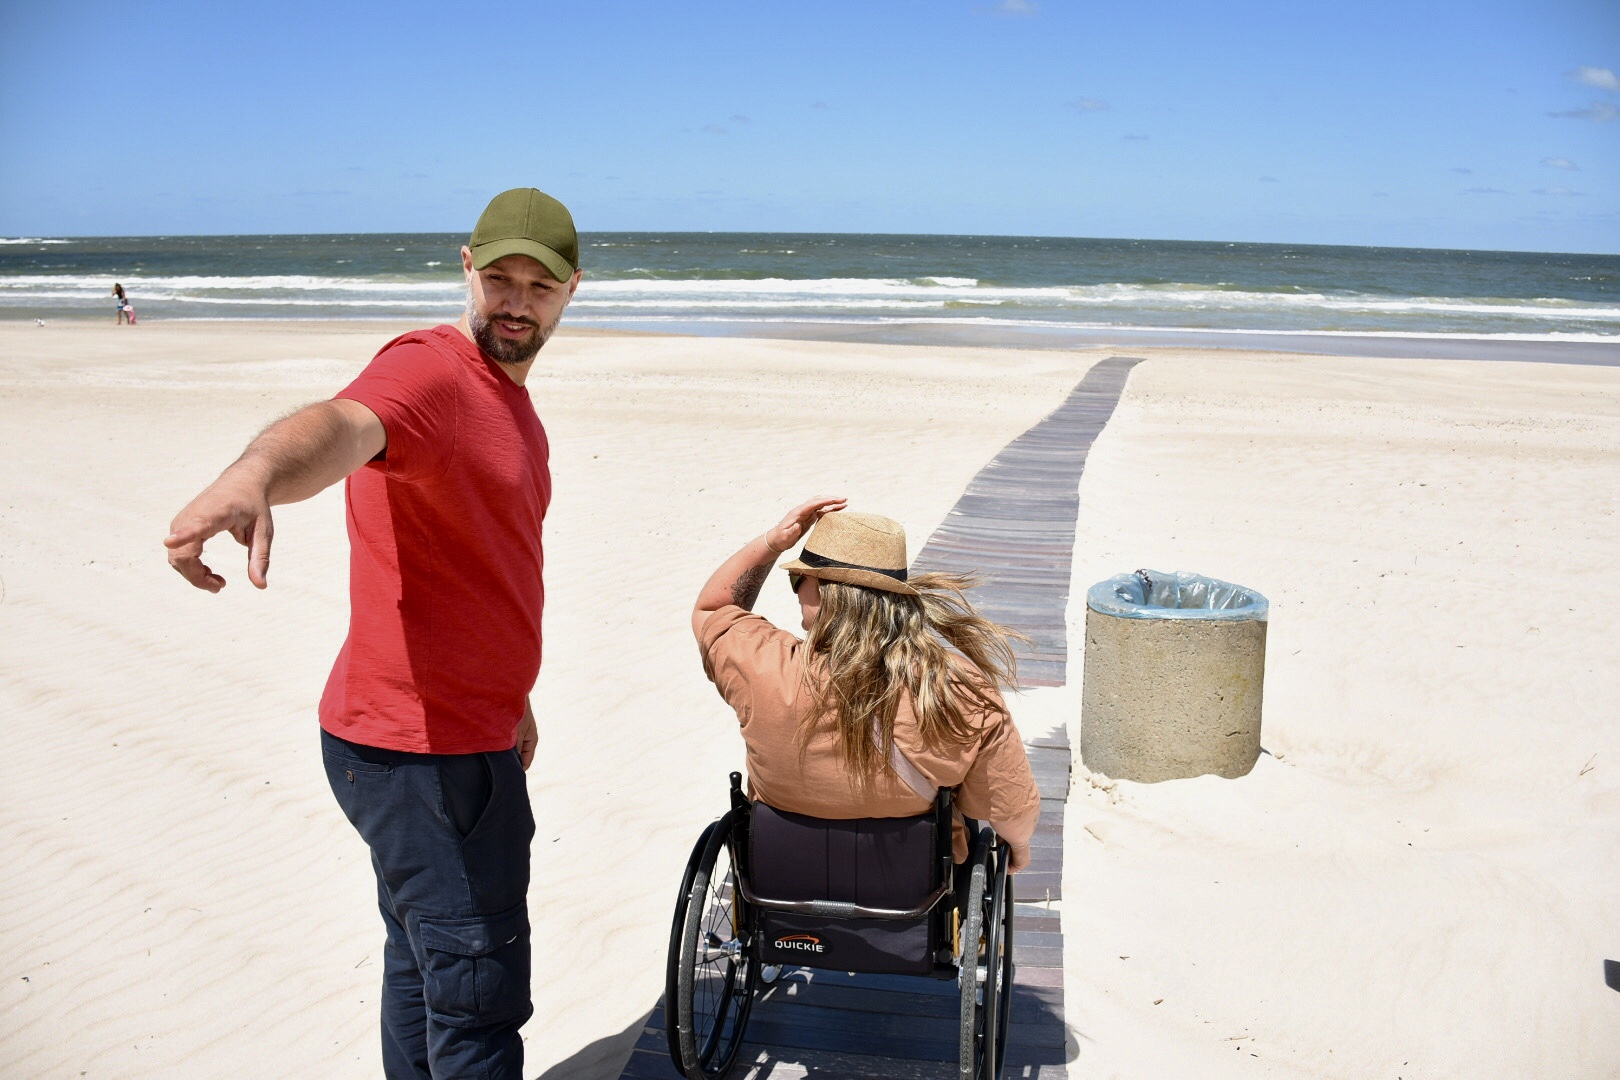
(513, 305)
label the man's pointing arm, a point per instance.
(291, 460)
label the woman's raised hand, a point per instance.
(796, 522)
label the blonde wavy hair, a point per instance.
(869, 649)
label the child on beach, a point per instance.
(126, 310)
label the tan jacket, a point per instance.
(759, 670)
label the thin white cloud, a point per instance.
(1602, 78)
(1560, 163)
(1136, 138)
(1556, 191)
(1601, 112)
(1270, 180)
(1087, 104)
(1025, 7)
(1463, 171)
(721, 129)
(1484, 191)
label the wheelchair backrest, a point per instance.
(878, 863)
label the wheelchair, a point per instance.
(765, 890)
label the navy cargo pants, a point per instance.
(449, 837)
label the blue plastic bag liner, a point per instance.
(1155, 594)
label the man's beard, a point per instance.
(502, 349)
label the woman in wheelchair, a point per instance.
(867, 741)
(870, 712)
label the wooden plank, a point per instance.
(857, 994)
(1035, 919)
(824, 1066)
(924, 1038)
(788, 1041)
(1050, 977)
(1035, 886)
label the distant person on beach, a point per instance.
(426, 727)
(871, 712)
(126, 310)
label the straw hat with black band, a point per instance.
(855, 549)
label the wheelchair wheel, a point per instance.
(999, 960)
(986, 967)
(672, 966)
(713, 976)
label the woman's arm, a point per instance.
(1000, 789)
(739, 578)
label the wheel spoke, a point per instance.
(719, 1013)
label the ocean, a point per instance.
(844, 284)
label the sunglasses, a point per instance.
(793, 582)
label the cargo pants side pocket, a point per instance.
(475, 970)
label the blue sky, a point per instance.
(1436, 124)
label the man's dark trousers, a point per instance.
(449, 837)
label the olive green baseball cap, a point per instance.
(524, 221)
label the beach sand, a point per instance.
(1415, 881)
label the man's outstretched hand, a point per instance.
(228, 505)
(291, 460)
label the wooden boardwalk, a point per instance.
(1015, 526)
(1015, 523)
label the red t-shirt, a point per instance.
(445, 557)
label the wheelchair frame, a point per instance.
(714, 968)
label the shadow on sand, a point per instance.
(602, 1059)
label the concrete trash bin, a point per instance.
(1173, 674)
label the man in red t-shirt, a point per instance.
(425, 722)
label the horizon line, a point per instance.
(8, 241)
